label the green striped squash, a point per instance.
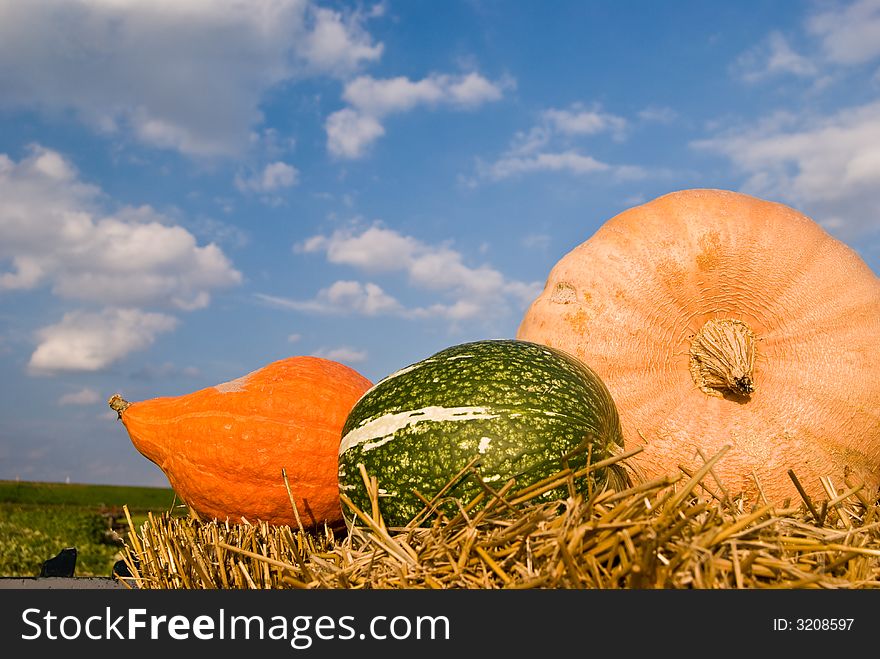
(524, 410)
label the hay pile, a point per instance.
(682, 531)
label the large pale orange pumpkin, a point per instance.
(716, 318)
(223, 448)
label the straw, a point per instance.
(683, 530)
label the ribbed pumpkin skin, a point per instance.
(630, 298)
(223, 447)
(517, 406)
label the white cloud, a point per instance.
(380, 97)
(472, 90)
(86, 396)
(86, 341)
(509, 166)
(557, 126)
(343, 354)
(274, 177)
(375, 249)
(54, 232)
(578, 121)
(472, 291)
(351, 130)
(294, 338)
(772, 57)
(350, 133)
(338, 44)
(546, 147)
(828, 163)
(187, 75)
(840, 34)
(850, 35)
(825, 164)
(342, 297)
(377, 98)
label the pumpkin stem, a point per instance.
(723, 358)
(118, 404)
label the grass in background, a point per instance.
(38, 520)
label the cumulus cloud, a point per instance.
(380, 97)
(117, 63)
(274, 177)
(91, 341)
(579, 121)
(466, 292)
(836, 35)
(827, 163)
(548, 147)
(336, 43)
(557, 126)
(351, 130)
(849, 35)
(375, 249)
(86, 396)
(349, 133)
(54, 232)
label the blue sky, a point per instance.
(190, 189)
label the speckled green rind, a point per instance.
(522, 408)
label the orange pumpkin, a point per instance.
(716, 318)
(223, 448)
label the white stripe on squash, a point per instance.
(405, 369)
(381, 430)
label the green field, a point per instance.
(38, 520)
